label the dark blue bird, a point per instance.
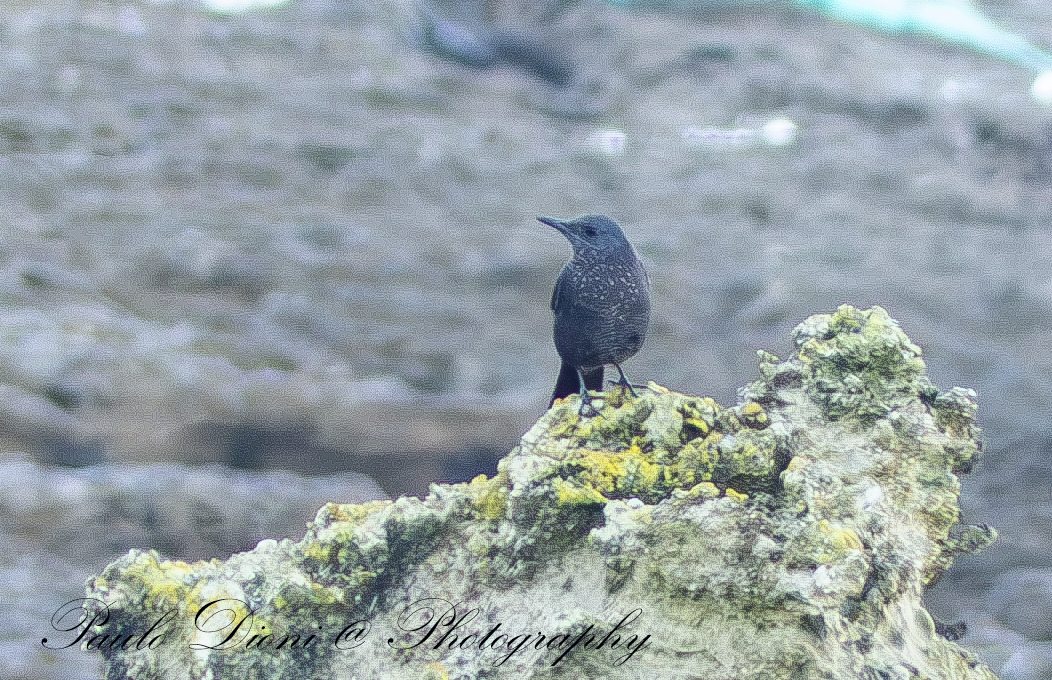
(601, 304)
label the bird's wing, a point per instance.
(561, 294)
(565, 298)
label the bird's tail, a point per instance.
(568, 383)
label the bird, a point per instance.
(601, 305)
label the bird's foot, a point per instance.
(630, 386)
(623, 382)
(587, 408)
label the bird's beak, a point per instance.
(560, 226)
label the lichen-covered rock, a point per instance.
(790, 536)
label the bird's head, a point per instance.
(591, 232)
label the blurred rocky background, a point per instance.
(298, 243)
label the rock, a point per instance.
(789, 536)
(57, 525)
(101, 511)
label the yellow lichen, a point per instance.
(353, 513)
(658, 457)
(703, 490)
(840, 538)
(568, 493)
(165, 583)
(701, 455)
(753, 414)
(823, 542)
(699, 414)
(622, 472)
(490, 496)
(735, 495)
(565, 421)
(435, 671)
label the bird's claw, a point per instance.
(587, 409)
(622, 380)
(630, 386)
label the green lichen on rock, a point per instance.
(858, 364)
(649, 446)
(787, 537)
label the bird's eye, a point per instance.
(589, 232)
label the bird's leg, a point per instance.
(586, 399)
(623, 381)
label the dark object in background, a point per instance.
(951, 631)
(455, 41)
(72, 452)
(483, 47)
(539, 58)
(601, 304)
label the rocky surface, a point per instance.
(294, 220)
(790, 536)
(291, 238)
(60, 524)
